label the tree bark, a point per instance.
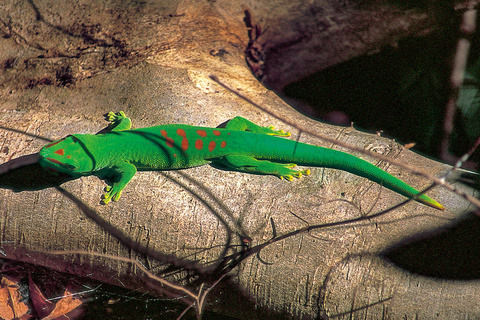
(64, 66)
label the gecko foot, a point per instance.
(285, 172)
(270, 130)
(118, 121)
(111, 193)
(115, 117)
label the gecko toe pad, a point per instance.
(270, 130)
(285, 172)
(111, 194)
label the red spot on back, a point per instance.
(183, 134)
(202, 133)
(199, 144)
(223, 144)
(60, 152)
(168, 140)
(216, 132)
(184, 144)
(211, 146)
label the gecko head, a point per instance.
(67, 155)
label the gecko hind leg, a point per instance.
(252, 165)
(242, 124)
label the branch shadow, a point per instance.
(449, 253)
(452, 253)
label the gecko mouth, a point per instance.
(64, 165)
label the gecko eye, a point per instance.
(70, 167)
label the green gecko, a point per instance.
(116, 155)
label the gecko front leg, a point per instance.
(118, 121)
(117, 177)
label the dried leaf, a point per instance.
(64, 306)
(10, 305)
(410, 145)
(6, 311)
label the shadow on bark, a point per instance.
(447, 253)
(450, 254)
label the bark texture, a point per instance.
(65, 65)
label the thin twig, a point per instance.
(135, 262)
(198, 299)
(458, 74)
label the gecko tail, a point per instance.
(322, 157)
(429, 202)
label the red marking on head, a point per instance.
(174, 155)
(69, 157)
(202, 133)
(199, 144)
(216, 132)
(211, 146)
(223, 144)
(60, 152)
(55, 161)
(168, 140)
(53, 143)
(228, 133)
